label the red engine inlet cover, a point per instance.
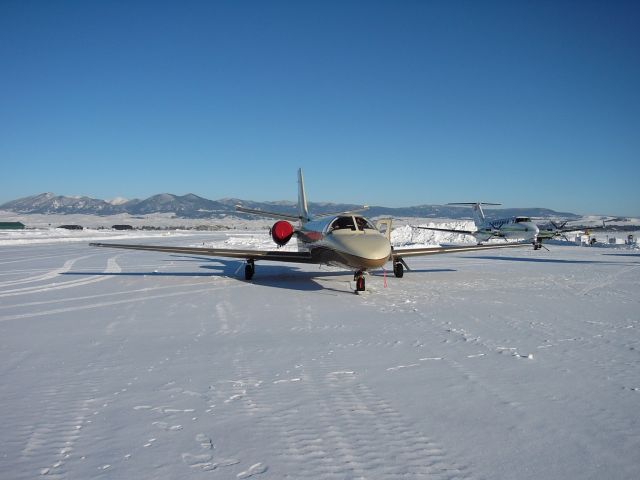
(281, 232)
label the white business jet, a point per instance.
(344, 239)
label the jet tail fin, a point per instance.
(303, 210)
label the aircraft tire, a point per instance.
(249, 270)
(398, 270)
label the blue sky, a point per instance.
(392, 103)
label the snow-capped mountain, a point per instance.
(117, 201)
(48, 203)
(194, 206)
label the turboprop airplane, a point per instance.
(512, 228)
(554, 229)
(343, 239)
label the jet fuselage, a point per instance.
(345, 240)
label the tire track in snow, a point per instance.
(49, 445)
(46, 276)
(111, 303)
(607, 280)
(344, 430)
(31, 258)
(103, 295)
(241, 395)
(112, 267)
(326, 424)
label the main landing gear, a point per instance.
(249, 269)
(398, 269)
(398, 265)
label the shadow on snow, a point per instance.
(288, 277)
(284, 276)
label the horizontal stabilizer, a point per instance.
(262, 213)
(339, 214)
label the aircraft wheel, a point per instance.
(249, 270)
(398, 270)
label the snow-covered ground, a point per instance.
(506, 364)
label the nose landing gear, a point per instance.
(537, 244)
(358, 277)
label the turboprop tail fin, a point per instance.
(478, 214)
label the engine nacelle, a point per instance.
(281, 232)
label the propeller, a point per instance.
(560, 229)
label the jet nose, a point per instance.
(371, 250)
(376, 247)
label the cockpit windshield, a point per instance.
(351, 223)
(364, 224)
(342, 223)
(522, 219)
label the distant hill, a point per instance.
(193, 206)
(48, 203)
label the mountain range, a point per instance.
(193, 206)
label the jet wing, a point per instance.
(398, 254)
(275, 255)
(466, 232)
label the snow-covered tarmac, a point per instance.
(513, 364)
